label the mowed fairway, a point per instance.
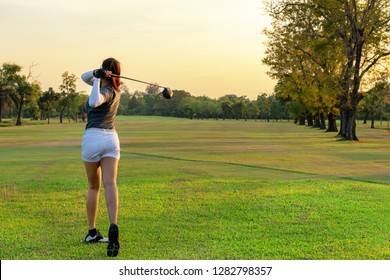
(193, 189)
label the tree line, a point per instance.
(184, 105)
(22, 96)
(376, 106)
(330, 58)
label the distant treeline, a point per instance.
(231, 106)
(21, 96)
(184, 105)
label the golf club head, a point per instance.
(167, 93)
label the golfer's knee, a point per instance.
(94, 186)
(109, 185)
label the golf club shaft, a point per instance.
(135, 80)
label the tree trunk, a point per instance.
(62, 114)
(322, 121)
(332, 125)
(19, 119)
(310, 119)
(1, 111)
(302, 120)
(343, 121)
(317, 121)
(372, 119)
(350, 126)
(365, 118)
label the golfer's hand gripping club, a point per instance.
(101, 73)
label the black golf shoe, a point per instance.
(93, 239)
(113, 243)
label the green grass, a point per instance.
(200, 190)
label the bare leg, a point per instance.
(109, 168)
(93, 171)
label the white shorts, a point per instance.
(99, 143)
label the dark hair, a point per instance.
(113, 65)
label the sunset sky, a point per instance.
(206, 47)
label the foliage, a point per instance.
(68, 102)
(321, 52)
(375, 101)
(8, 85)
(68, 97)
(47, 102)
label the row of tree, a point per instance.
(22, 96)
(184, 105)
(231, 106)
(328, 56)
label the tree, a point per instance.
(125, 96)
(226, 106)
(253, 110)
(363, 27)
(187, 107)
(136, 104)
(302, 60)
(47, 102)
(322, 49)
(83, 98)
(239, 108)
(206, 107)
(265, 108)
(24, 92)
(374, 99)
(68, 93)
(9, 75)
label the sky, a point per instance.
(205, 47)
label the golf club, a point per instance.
(167, 92)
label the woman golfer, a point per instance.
(100, 149)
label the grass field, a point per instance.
(195, 190)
